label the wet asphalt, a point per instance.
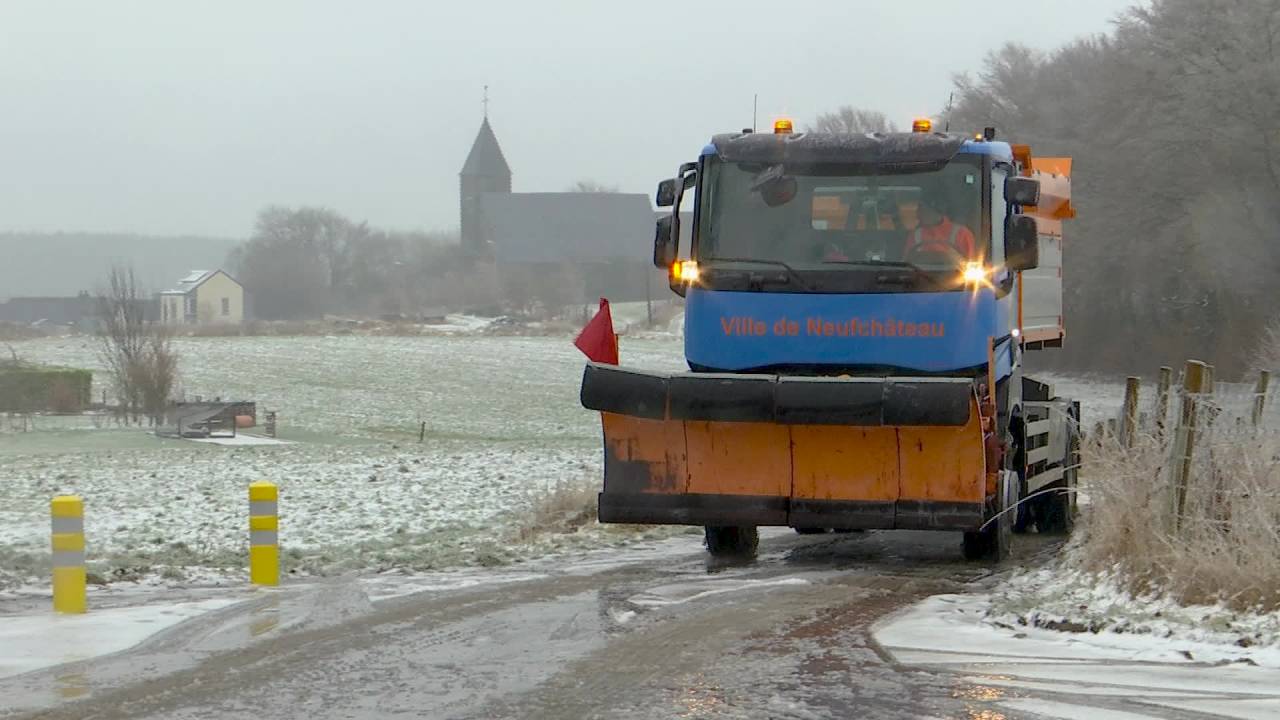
(657, 635)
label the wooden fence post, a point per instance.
(1193, 384)
(1162, 398)
(1130, 430)
(1260, 397)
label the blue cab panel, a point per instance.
(925, 332)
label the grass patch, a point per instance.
(1223, 548)
(565, 506)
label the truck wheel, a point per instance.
(1018, 459)
(976, 544)
(811, 531)
(1003, 541)
(1053, 514)
(727, 541)
(995, 541)
(1025, 514)
(1056, 511)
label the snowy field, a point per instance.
(358, 491)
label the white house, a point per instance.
(204, 297)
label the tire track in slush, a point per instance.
(792, 637)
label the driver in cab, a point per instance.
(937, 234)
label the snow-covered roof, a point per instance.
(195, 279)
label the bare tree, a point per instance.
(592, 186)
(137, 353)
(848, 119)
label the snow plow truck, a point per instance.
(848, 371)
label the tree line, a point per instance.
(1173, 121)
(305, 262)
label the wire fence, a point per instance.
(1184, 488)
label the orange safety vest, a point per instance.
(946, 237)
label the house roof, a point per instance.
(486, 156)
(195, 279)
(553, 227)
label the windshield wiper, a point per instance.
(791, 273)
(903, 264)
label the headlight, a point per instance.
(685, 271)
(975, 274)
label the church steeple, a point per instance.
(485, 171)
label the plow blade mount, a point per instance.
(731, 449)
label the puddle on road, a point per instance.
(70, 686)
(679, 593)
(265, 619)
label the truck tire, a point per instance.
(1017, 459)
(732, 541)
(1056, 511)
(994, 543)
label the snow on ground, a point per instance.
(1144, 673)
(240, 440)
(458, 324)
(45, 639)
(632, 320)
(1057, 597)
(357, 489)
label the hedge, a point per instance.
(27, 388)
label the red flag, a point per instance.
(597, 340)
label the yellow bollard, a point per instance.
(264, 539)
(67, 542)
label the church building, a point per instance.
(555, 248)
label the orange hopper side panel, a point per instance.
(1052, 165)
(1054, 174)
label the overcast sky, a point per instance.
(187, 117)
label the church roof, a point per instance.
(486, 157)
(554, 227)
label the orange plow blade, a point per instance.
(681, 470)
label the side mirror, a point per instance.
(780, 191)
(664, 243)
(1022, 191)
(666, 193)
(1022, 243)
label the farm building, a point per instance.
(79, 310)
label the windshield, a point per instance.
(831, 219)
